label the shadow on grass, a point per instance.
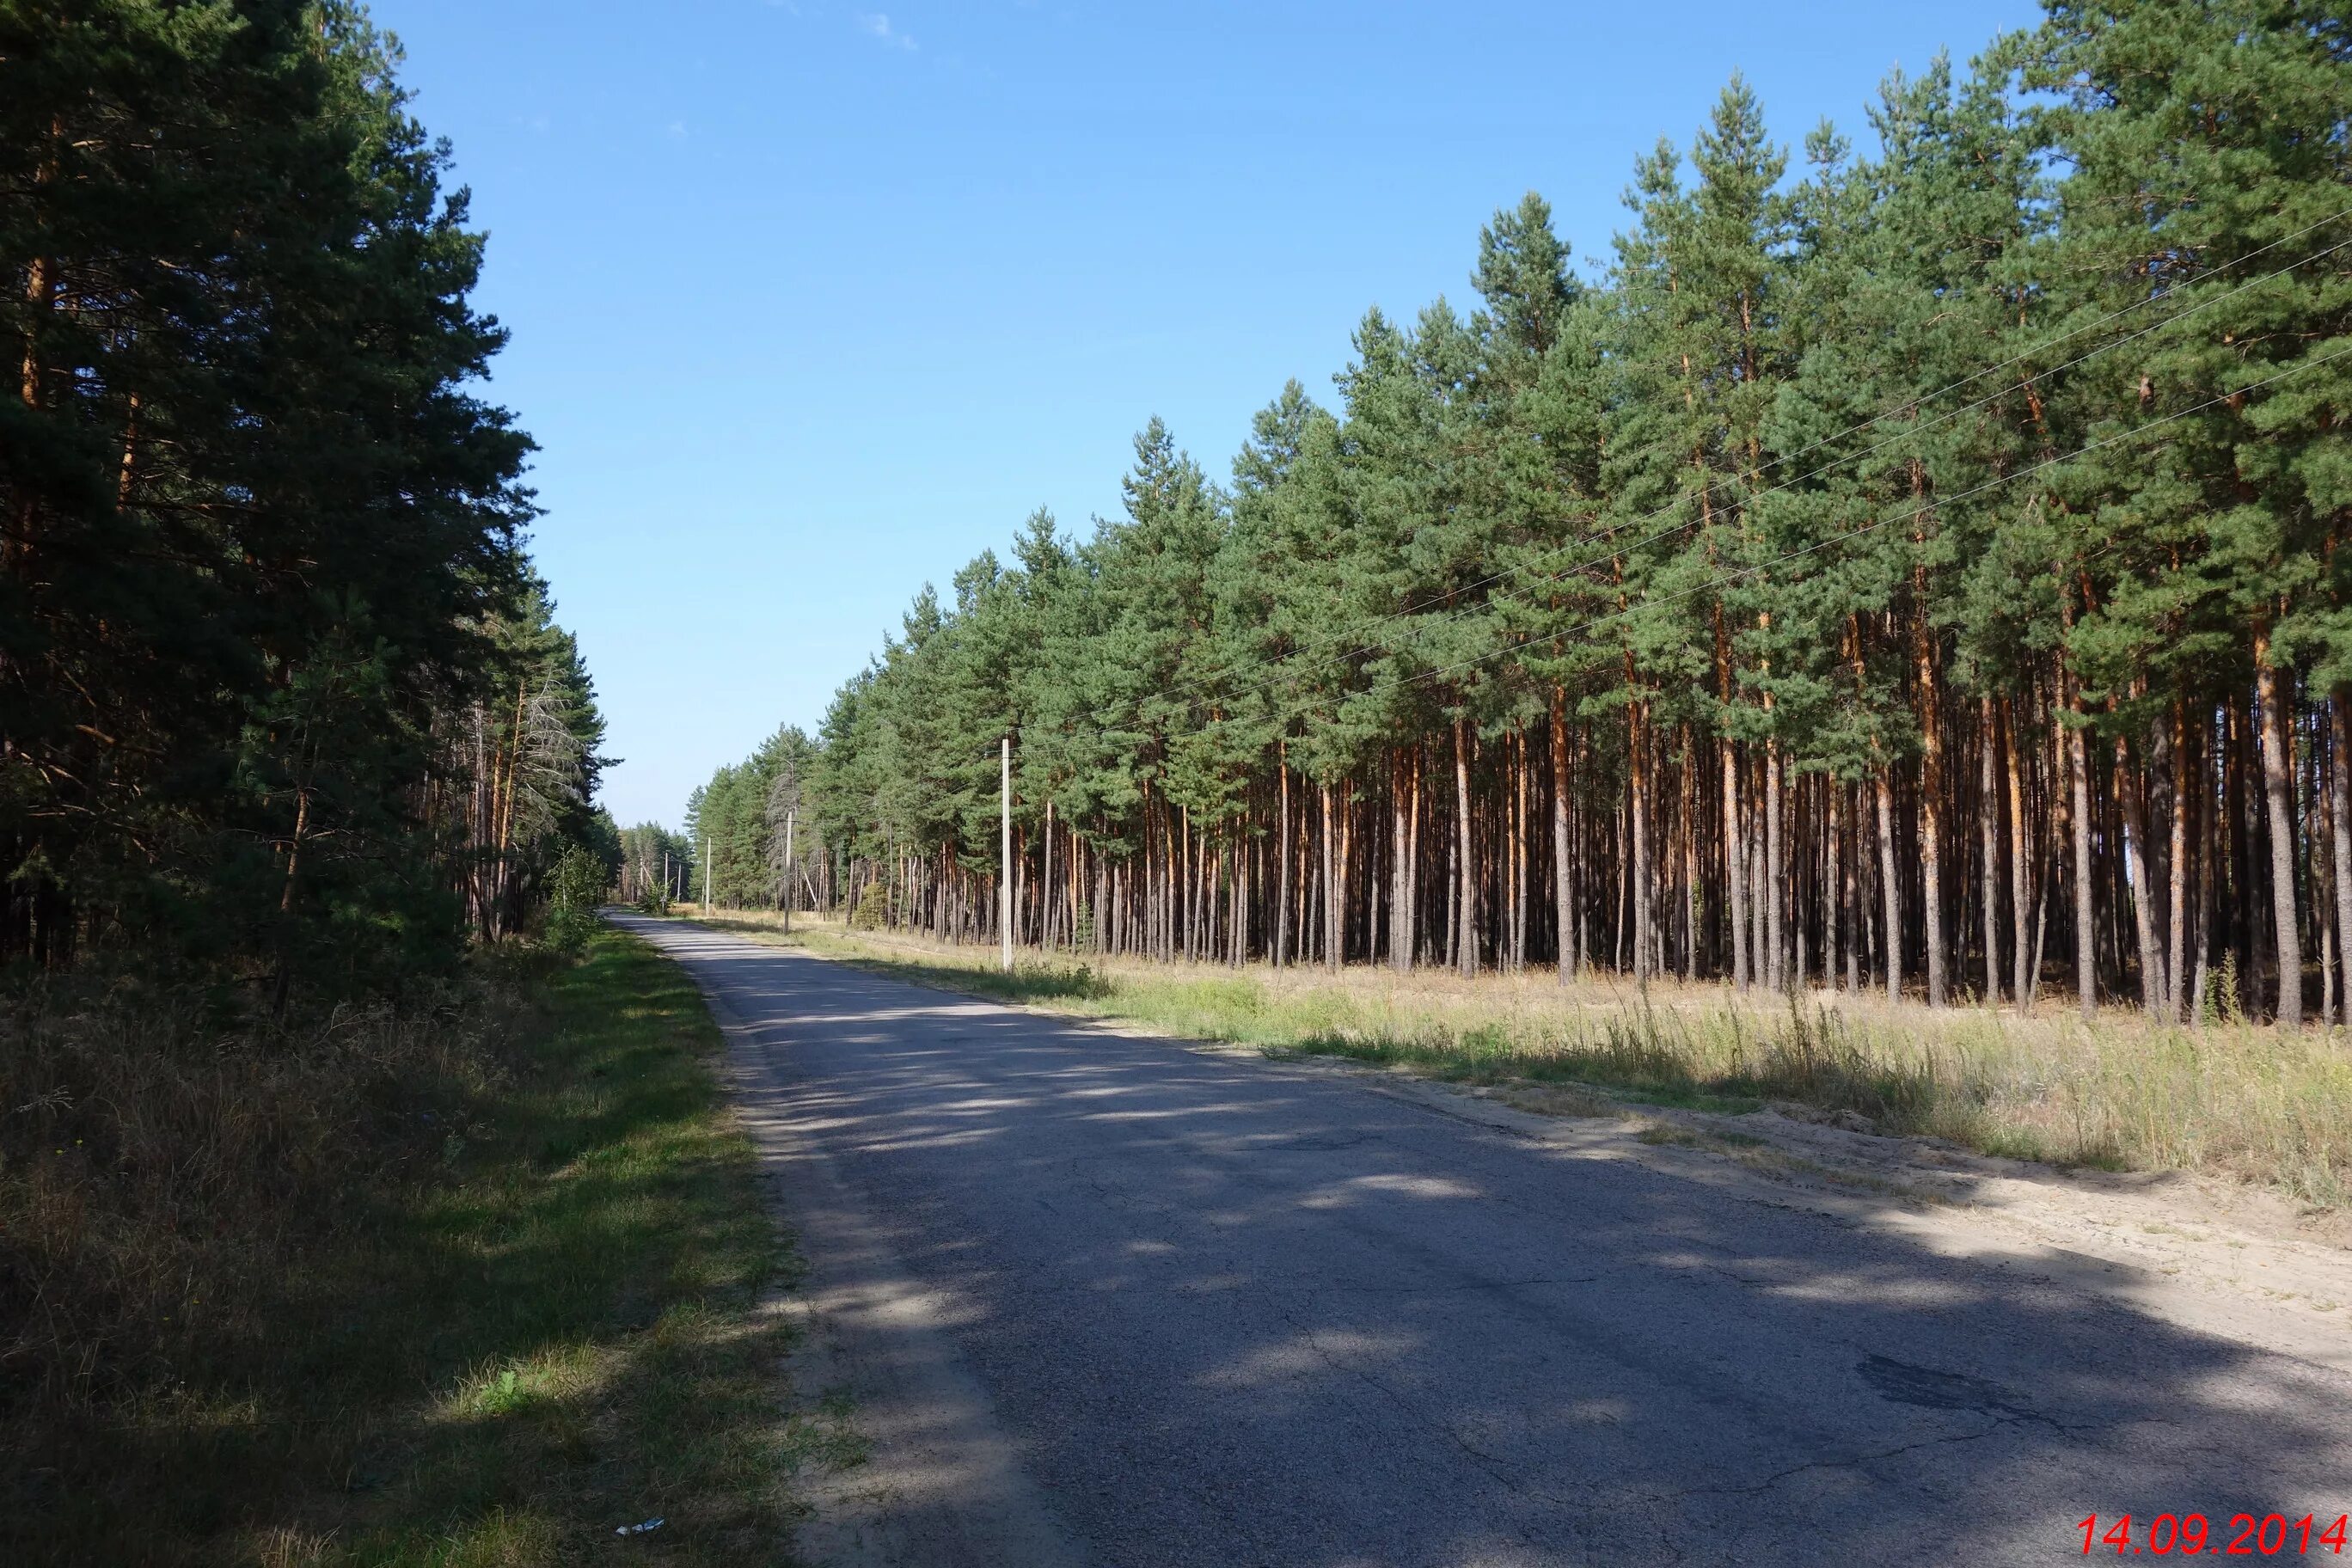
(1638, 1054)
(547, 1324)
(1812, 1063)
(1810, 1060)
(1029, 981)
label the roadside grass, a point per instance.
(2251, 1102)
(476, 1283)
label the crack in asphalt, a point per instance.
(2009, 1416)
(1769, 1482)
(1493, 1465)
(1495, 1468)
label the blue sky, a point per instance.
(810, 303)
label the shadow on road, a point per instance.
(1236, 1313)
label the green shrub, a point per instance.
(574, 891)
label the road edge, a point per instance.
(941, 1484)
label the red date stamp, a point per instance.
(2189, 1534)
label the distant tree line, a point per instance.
(657, 867)
(278, 688)
(756, 817)
(1919, 572)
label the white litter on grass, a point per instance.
(646, 1528)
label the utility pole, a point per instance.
(1005, 861)
(787, 868)
(706, 873)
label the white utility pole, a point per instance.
(787, 868)
(1004, 863)
(706, 873)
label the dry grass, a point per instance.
(473, 1282)
(2255, 1103)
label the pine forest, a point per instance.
(1914, 571)
(281, 694)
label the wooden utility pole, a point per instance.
(789, 815)
(1004, 860)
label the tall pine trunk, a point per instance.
(1735, 866)
(1282, 864)
(1989, 845)
(1890, 889)
(2340, 793)
(1520, 850)
(2022, 876)
(2177, 925)
(2078, 769)
(2131, 784)
(1466, 869)
(1400, 891)
(1931, 754)
(1776, 963)
(1638, 830)
(1332, 923)
(1837, 932)
(2278, 761)
(1931, 825)
(1560, 780)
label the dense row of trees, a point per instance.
(279, 689)
(755, 818)
(1915, 571)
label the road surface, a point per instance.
(1108, 1300)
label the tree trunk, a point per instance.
(1837, 888)
(1988, 833)
(1282, 865)
(1638, 826)
(1801, 974)
(1931, 825)
(1559, 847)
(1400, 868)
(1775, 867)
(1891, 944)
(2131, 785)
(1413, 862)
(1686, 899)
(2078, 767)
(2021, 873)
(2177, 926)
(2340, 794)
(1331, 924)
(2278, 761)
(1466, 874)
(1735, 865)
(1758, 963)
(1519, 851)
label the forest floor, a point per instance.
(2222, 1158)
(481, 1286)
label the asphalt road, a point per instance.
(1113, 1300)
